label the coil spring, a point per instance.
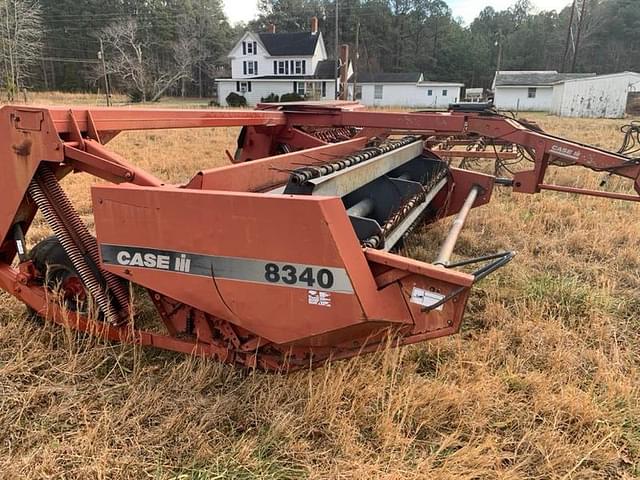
(114, 284)
(305, 174)
(77, 260)
(334, 135)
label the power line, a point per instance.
(337, 56)
(67, 60)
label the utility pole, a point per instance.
(569, 35)
(580, 22)
(104, 71)
(499, 61)
(337, 55)
(12, 88)
(44, 74)
(356, 61)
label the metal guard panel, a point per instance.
(241, 236)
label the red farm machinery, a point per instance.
(285, 258)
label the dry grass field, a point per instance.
(543, 382)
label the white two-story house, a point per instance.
(279, 63)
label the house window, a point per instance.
(298, 69)
(249, 48)
(324, 88)
(250, 68)
(299, 88)
(358, 92)
(281, 68)
(444, 92)
(429, 93)
(531, 92)
(377, 92)
(243, 87)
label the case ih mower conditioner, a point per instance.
(280, 261)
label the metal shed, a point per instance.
(528, 89)
(603, 96)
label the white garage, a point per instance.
(405, 90)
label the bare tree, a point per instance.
(126, 58)
(20, 42)
(129, 60)
(188, 50)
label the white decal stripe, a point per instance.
(285, 274)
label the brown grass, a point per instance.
(542, 382)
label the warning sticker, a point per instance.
(322, 299)
(426, 298)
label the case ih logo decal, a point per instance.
(285, 274)
(151, 260)
(565, 152)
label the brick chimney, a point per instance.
(314, 25)
(271, 28)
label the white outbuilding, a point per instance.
(602, 96)
(408, 89)
(528, 90)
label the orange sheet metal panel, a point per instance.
(282, 267)
(258, 175)
(27, 137)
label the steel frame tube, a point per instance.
(446, 250)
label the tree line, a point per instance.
(150, 48)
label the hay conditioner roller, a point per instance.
(283, 259)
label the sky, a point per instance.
(245, 10)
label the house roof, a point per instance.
(534, 78)
(605, 77)
(298, 43)
(408, 77)
(326, 69)
(430, 83)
